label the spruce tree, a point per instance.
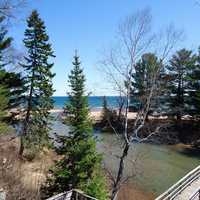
(38, 85)
(80, 166)
(194, 88)
(11, 80)
(142, 80)
(178, 84)
(4, 128)
(5, 42)
(105, 113)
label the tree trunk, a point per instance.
(117, 183)
(21, 149)
(26, 121)
(147, 117)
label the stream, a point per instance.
(153, 168)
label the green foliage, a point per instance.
(111, 118)
(38, 82)
(11, 80)
(78, 109)
(143, 77)
(5, 42)
(97, 187)
(15, 84)
(179, 83)
(78, 165)
(105, 114)
(81, 161)
(194, 88)
(4, 128)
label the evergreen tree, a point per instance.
(38, 80)
(15, 85)
(143, 78)
(81, 163)
(11, 80)
(3, 108)
(194, 88)
(5, 42)
(105, 116)
(178, 85)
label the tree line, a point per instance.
(177, 84)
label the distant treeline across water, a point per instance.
(95, 102)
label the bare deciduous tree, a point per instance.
(11, 12)
(135, 39)
(9, 8)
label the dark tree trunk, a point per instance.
(117, 183)
(27, 118)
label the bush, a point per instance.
(110, 119)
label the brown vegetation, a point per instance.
(21, 179)
(130, 192)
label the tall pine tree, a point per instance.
(39, 87)
(5, 42)
(11, 80)
(80, 167)
(4, 128)
(178, 85)
(194, 88)
(143, 79)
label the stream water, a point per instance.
(154, 168)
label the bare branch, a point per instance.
(8, 8)
(135, 39)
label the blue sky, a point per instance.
(91, 25)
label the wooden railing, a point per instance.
(72, 195)
(196, 195)
(177, 188)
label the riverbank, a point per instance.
(23, 178)
(95, 114)
(163, 137)
(153, 162)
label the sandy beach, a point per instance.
(95, 114)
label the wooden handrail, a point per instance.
(174, 190)
(196, 194)
(70, 194)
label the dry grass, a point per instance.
(22, 179)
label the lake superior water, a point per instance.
(95, 102)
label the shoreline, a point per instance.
(20, 168)
(95, 113)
